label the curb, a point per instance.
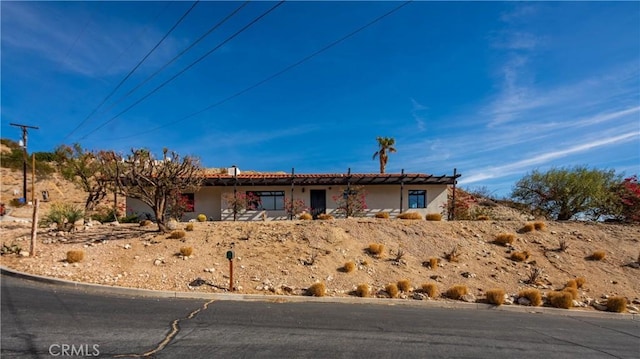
(304, 299)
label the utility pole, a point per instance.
(24, 160)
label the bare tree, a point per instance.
(141, 176)
(84, 169)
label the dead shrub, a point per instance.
(560, 299)
(189, 227)
(382, 215)
(617, 304)
(376, 249)
(571, 283)
(457, 291)
(519, 256)
(533, 276)
(580, 281)
(317, 290)
(399, 255)
(563, 245)
(349, 267)
(571, 290)
(453, 255)
(433, 262)
(430, 289)
(533, 295)
(325, 217)
(495, 296)
(529, 227)
(483, 217)
(597, 255)
(305, 216)
(433, 217)
(392, 290)
(75, 256)
(410, 215)
(363, 290)
(504, 239)
(186, 251)
(539, 225)
(404, 285)
(177, 234)
(145, 222)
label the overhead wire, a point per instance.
(271, 77)
(244, 28)
(134, 69)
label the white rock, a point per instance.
(600, 306)
(418, 296)
(524, 301)
(469, 298)
(127, 246)
(24, 253)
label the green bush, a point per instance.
(202, 218)
(64, 215)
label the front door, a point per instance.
(318, 202)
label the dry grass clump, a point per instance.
(404, 285)
(410, 215)
(539, 225)
(453, 255)
(349, 267)
(519, 256)
(363, 290)
(201, 217)
(177, 234)
(186, 251)
(430, 289)
(392, 290)
(529, 227)
(483, 217)
(560, 299)
(571, 283)
(376, 249)
(325, 217)
(433, 262)
(533, 295)
(317, 290)
(189, 227)
(145, 222)
(617, 304)
(495, 296)
(597, 255)
(580, 281)
(457, 291)
(571, 290)
(383, 215)
(305, 216)
(504, 239)
(75, 256)
(433, 217)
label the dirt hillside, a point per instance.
(286, 257)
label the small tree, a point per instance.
(141, 176)
(351, 202)
(385, 146)
(84, 169)
(294, 207)
(628, 195)
(239, 202)
(178, 204)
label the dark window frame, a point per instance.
(416, 196)
(274, 200)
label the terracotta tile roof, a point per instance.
(272, 179)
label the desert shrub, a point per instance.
(12, 249)
(376, 249)
(430, 289)
(305, 216)
(529, 227)
(571, 290)
(453, 255)
(404, 285)
(539, 225)
(145, 222)
(383, 215)
(186, 251)
(363, 290)
(104, 214)
(580, 281)
(325, 217)
(64, 215)
(189, 227)
(571, 283)
(519, 256)
(317, 290)
(433, 217)
(483, 217)
(560, 299)
(74, 256)
(617, 304)
(504, 239)
(495, 296)
(392, 290)
(563, 245)
(457, 291)
(410, 215)
(433, 262)
(533, 276)
(201, 218)
(597, 255)
(533, 295)
(349, 267)
(177, 234)
(400, 253)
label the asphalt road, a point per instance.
(39, 319)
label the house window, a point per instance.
(189, 202)
(267, 200)
(417, 198)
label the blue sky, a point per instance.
(494, 89)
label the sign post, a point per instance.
(230, 256)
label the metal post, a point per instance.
(33, 177)
(34, 229)
(230, 275)
(348, 190)
(401, 189)
(452, 214)
(292, 183)
(24, 159)
(235, 192)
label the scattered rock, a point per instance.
(469, 298)
(468, 275)
(524, 301)
(24, 253)
(127, 246)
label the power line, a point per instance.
(271, 77)
(244, 28)
(202, 37)
(134, 69)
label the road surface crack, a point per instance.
(175, 329)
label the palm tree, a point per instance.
(385, 145)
